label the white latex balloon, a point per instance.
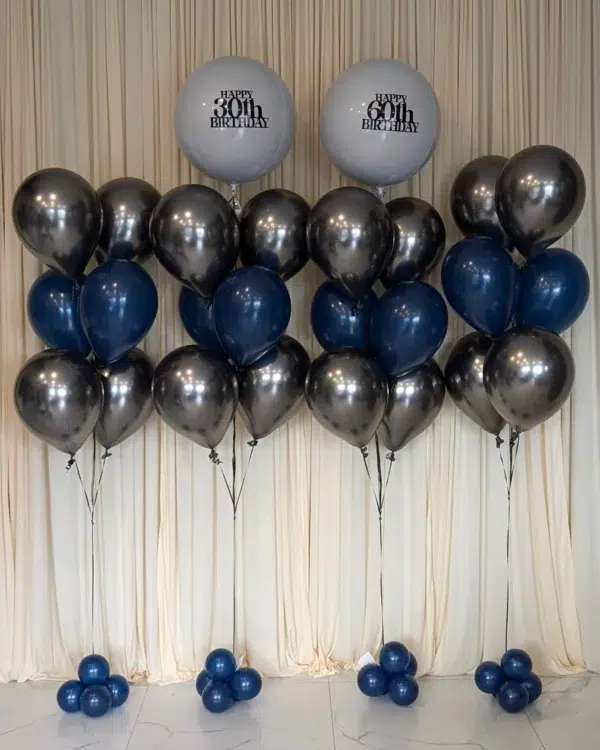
(234, 119)
(380, 122)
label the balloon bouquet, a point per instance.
(377, 377)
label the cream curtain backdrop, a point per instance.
(90, 85)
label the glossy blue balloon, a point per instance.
(513, 697)
(372, 681)
(53, 311)
(516, 664)
(95, 701)
(202, 681)
(534, 687)
(404, 689)
(68, 696)
(411, 670)
(118, 305)
(118, 687)
(245, 684)
(394, 658)
(489, 677)
(251, 310)
(339, 321)
(554, 291)
(197, 317)
(408, 326)
(220, 664)
(479, 278)
(93, 670)
(217, 697)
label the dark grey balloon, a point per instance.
(539, 196)
(128, 401)
(414, 402)
(196, 393)
(58, 215)
(419, 240)
(58, 396)
(273, 232)
(127, 206)
(350, 236)
(473, 199)
(347, 392)
(464, 381)
(272, 389)
(528, 374)
(195, 235)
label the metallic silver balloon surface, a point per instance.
(350, 236)
(347, 392)
(273, 232)
(473, 199)
(419, 240)
(464, 381)
(58, 215)
(128, 401)
(272, 389)
(539, 195)
(127, 205)
(196, 393)
(58, 396)
(415, 401)
(528, 374)
(195, 235)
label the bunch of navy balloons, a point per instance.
(221, 683)
(393, 676)
(95, 691)
(512, 681)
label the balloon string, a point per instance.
(380, 514)
(365, 453)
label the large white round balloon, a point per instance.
(234, 119)
(380, 122)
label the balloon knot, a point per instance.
(514, 435)
(499, 441)
(70, 462)
(391, 456)
(106, 454)
(214, 457)
(364, 451)
(253, 443)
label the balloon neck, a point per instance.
(106, 454)
(364, 451)
(380, 192)
(391, 456)
(214, 457)
(70, 462)
(253, 443)
(233, 199)
(499, 441)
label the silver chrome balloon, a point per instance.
(272, 389)
(528, 374)
(464, 381)
(127, 205)
(196, 393)
(128, 401)
(347, 392)
(58, 215)
(473, 199)
(414, 402)
(58, 396)
(195, 235)
(539, 196)
(419, 240)
(273, 232)
(350, 237)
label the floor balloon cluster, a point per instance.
(95, 692)
(512, 681)
(221, 683)
(393, 676)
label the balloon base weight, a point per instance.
(393, 676)
(95, 692)
(221, 683)
(512, 681)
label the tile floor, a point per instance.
(307, 714)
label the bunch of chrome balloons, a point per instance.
(512, 681)
(221, 683)
(393, 676)
(95, 692)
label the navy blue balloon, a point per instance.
(555, 288)
(516, 664)
(93, 670)
(513, 697)
(372, 681)
(53, 311)
(411, 670)
(118, 305)
(68, 696)
(339, 321)
(394, 658)
(118, 687)
(489, 677)
(404, 689)
(534, 687)
(95, 701)
(251, 310)
(245, 684)
(197, 317)
(220, 664)
(202, 681)
(217, 697)
(408, 326)
(479, 278)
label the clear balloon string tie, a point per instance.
(233, 200)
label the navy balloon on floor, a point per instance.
(95, 701)
(339, 321)
(202, 680)
(69, 695)
(516, 664)
(404, 689)
(245, 684)
(372, 681)
(118, 687)
(93, 669)
(489, 677)
(220, 664)
(513, 697)
(394, 657)
(217, 697)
